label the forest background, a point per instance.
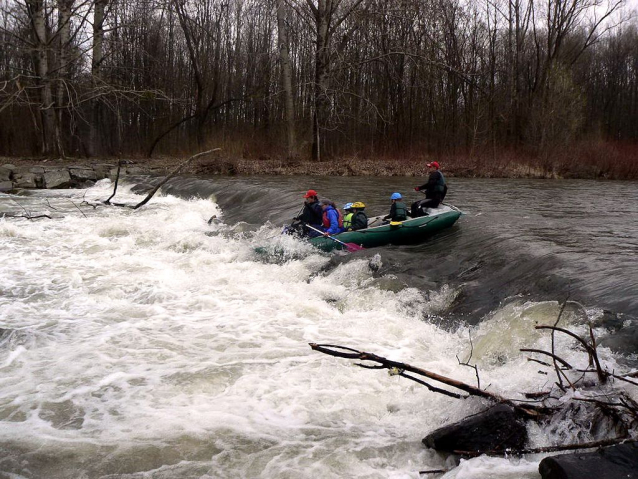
(489, 87)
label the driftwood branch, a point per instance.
(473, 366)
(117, 179)
(159, 185)
(78, 208)
(171, 174)
(27, 216)
(435, 471)
(536, 450)
(591, 350)
(349, 353)
(553, 356)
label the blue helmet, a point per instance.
(347, 206)
(396, 196)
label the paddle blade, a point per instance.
(353, 248)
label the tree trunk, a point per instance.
(96, 64)
(64, 38)
(37, 13)
(322, 65)
(286, 79)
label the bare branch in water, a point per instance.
(536, 450)
(467, 362)
(532, 411)
(159, 185)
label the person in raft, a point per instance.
(332, 223)
(398, 210)
(359, 218)
(347, 217)
(312, 214)
(435, 190)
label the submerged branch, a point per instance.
(171, 174)
(159, 185)
(117, 179)
(349, 353)
(591, 350)
(27, 216)
(536, 450)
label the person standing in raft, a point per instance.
(398, 210)
(312, 214)
(332, 218)
(435, 190)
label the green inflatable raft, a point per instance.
(405, 232)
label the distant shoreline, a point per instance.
(25, 172)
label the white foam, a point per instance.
(138, 330)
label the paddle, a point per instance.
(351, 247)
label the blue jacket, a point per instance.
(331, 221)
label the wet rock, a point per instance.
(82, 174)
(624, 341)
(135, 170)
(609, 320)
(57, 179)
(25, 180)
(5, 186)
(9, 166)
(5, 174)
(496, 429)
(102, 170)
(613, 462)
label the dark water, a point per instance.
(543, 239)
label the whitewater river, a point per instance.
(152, 344)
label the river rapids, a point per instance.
(156, 344)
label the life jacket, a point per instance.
(400, 211)
(359, 221)
(347, 220)
(439, 187)
(326, 218)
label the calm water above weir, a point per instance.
(151, 344)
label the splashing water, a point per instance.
(153, 342)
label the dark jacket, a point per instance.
(435, 186)
(312, 214)
(398, 212)
(359, 221)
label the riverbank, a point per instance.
(614, 162)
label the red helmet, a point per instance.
(434, 164)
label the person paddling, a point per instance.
(332, 218)
(435, 190)
(398, 210)
(312, 214)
